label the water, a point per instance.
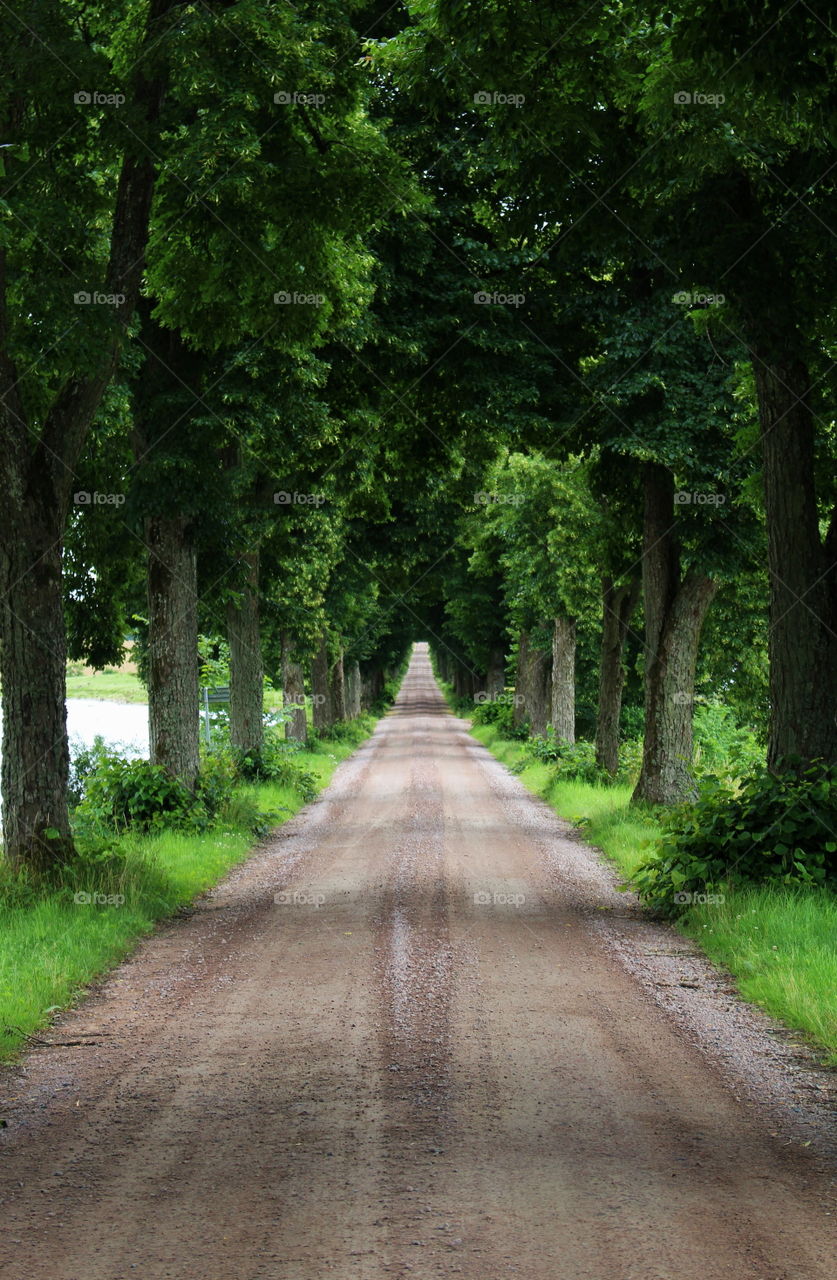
(123, 725)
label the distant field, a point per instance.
(125, 686)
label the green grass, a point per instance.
(778, 944)
(52, 946)
(114, 686)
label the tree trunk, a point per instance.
(337, 688)
(563, 679)
(33, 670)
(618, 605)
(293, 693)
(674, 616)
(495, 677)
(353, 689)
(539, 690)
(372, 686)
(803, 571)
(321, 687)
(521, 675)
(246, 668)
(173, 647)
(37, 473)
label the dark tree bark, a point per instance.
(674, 616)
(36, 825)
(533, 686)
(37, 471)
(321, 687)
(173, 675)
(618, 605)
(563, 679)
(293, 693)
(337, 688)
(246, 667)
(353, 689)
(372, 686)
(495, 677)
(521, 674)
(803, 569)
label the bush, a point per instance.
(777, 829)
(276, 762)
(571, 761)
(84, 761)
(500, 712)
(134, 793)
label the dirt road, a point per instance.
(424, 1060)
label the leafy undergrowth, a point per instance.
(54, 941)
(776, 942)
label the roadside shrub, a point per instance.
(571, 761)
(84, 761)
(216, 782)
(499, 712)
(134, 793)
(777, 829)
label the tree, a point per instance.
(62, 329)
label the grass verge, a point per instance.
(777, 944)
(53, 942)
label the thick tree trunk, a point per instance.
(372, 686)
(521, 675)
(246, 667)
(321, 687)
(618, 605)
(803, 571)
(464, 681)
(293, 693)
(337, 688)
(173, 647)
(539, 690)
(674, 616)
(495, 677)
(37, 473)
(353, 689)
(533, 686)
(563, 679)
(36, 826)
